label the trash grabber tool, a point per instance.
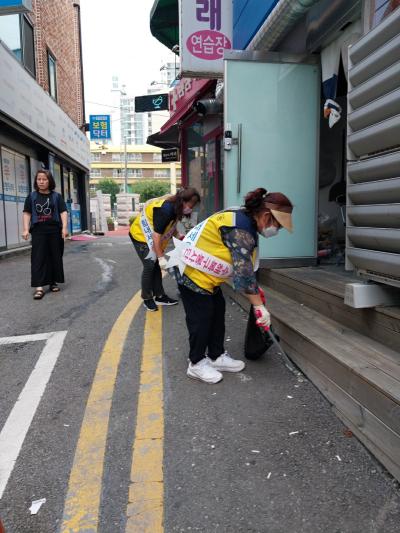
(289, 365)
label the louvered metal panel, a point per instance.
(374, 168)
(381, 59)
(383, 239)
(376, 137)
(378, 216)
(373, 192)
(385, 264)
(373, 140)
(379, 36)
(380, 84)
(376, 111)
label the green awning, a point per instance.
(164, 22)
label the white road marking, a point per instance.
(20, 418)
(106, 276)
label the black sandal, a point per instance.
(54, 287)
(38, 294)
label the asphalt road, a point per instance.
(259, 452)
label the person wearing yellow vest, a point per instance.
(150, 234)
(224, 246)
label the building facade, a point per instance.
(42, 112)
(143, 162)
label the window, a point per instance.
(10, 34)
(116, 157)
(28, 46)
(135, 172)
(117, 173)
(17, 34)
(95, 173)
(52, 68)
(134, 157)
(162, 173)
(380, 9)
(157, 158)
(95, 156)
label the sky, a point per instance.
(116, 40)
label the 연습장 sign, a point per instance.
(100, 127)
(151, 102)
(206, 32)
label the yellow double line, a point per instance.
(146, 494)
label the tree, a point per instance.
(108, 186)
(150, 189)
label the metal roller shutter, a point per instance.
(373, 141)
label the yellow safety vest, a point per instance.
(136, 229)
(210, 241)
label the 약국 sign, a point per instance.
(100, 127)
(205, 31)
(151, 102)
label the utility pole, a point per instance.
(123, 114)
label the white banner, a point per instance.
(24, 100)
(206, 28)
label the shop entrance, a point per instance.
(14, 189)
(271, 111)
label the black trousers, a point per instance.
(205, 319)
(46, 258)
(151, 275)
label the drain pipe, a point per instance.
(281, 19)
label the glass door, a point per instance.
(271, 107)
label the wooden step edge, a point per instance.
(368, 368)
(281, 274)
(380, 439)
(304, 320)
(285, 273)
(372, 396)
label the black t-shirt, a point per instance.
(44, 207)
(162, 216)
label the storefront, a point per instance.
(195, 126)
(35, 133)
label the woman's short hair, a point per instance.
(52, 183)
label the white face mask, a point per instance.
(271, 231)
(187, 210)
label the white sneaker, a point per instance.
(204, 372)
(225, 363)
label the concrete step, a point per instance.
(360, 377)
(323, 290)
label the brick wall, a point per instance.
(56, 27)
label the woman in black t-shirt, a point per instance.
(45, 218)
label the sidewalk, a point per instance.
(122, 231)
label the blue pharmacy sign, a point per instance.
(100, 127)
(7, 7)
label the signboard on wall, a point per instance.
(24, 101)
(205, 33)
(151, 102)
(100, 127)
(8, 7)
(170, 155)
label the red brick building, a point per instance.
(42, 111)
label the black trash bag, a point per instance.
(256, 341)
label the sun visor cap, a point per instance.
(284, 219)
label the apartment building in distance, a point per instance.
(143, 162)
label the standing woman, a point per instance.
(45, 217)
(150, 234)
(223, 246)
